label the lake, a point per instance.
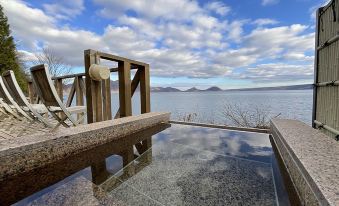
(209, 106)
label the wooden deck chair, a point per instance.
(9, 104)
(49, 96)
(32, 110)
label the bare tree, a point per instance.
(190, 117)
(258, 117)
(56, 64)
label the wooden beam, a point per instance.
(145, 96)
(31, 92)
(89, 57)
(106, 96)
(69, 76)
(82, 85)
(120, 59)
(79, 94)
(71, 94)
(59, 87)
(98, 101)
(94, 103)
(125, 96)
(135, 83)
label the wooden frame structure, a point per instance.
(326, 71)
(98, 95)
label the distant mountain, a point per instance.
(193, 89)
(115, 88)
(293, 87)
(213, 89)
(164, 89)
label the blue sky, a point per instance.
(230, 43)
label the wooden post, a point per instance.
(145, 96)
(31, 92)
(145, 99)
(134, 86)
(89, 60)
(60, 91)
(106, 97)
(79, 94)
(59, 87)
(71, 94)
(124, 73)
(98, 101)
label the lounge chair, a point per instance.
(8, 104)
(34, 111)
(46, 91)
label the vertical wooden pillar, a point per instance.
(79, 93)
(89, 60)
(106, 98)
(31, 92)
(145, 99)
(124, 73)
(145, 96)
(59, 87)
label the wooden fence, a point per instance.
(326, 78)
(97, 94)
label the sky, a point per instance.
(229, 43)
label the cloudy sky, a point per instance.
(229, 43)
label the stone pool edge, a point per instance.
(33, 151)
(303, 151)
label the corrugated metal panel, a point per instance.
(326, 108)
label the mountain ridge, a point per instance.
(115, 88)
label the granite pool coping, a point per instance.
(311, 159)
(28, 152)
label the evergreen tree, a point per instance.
(8, 54)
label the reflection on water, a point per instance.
(90, 164)
(182, 165)
(247, 145)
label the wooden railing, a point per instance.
(98, 93)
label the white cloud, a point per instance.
(65, 9)
(237, 58)
(272, 42)
(235, 30)
(276, 72)
(265, 21)
(298, 57)
(269, 2)
(186, 42)
(174, 9)
(218, 7)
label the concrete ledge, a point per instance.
(311, 159)
(26, 153)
